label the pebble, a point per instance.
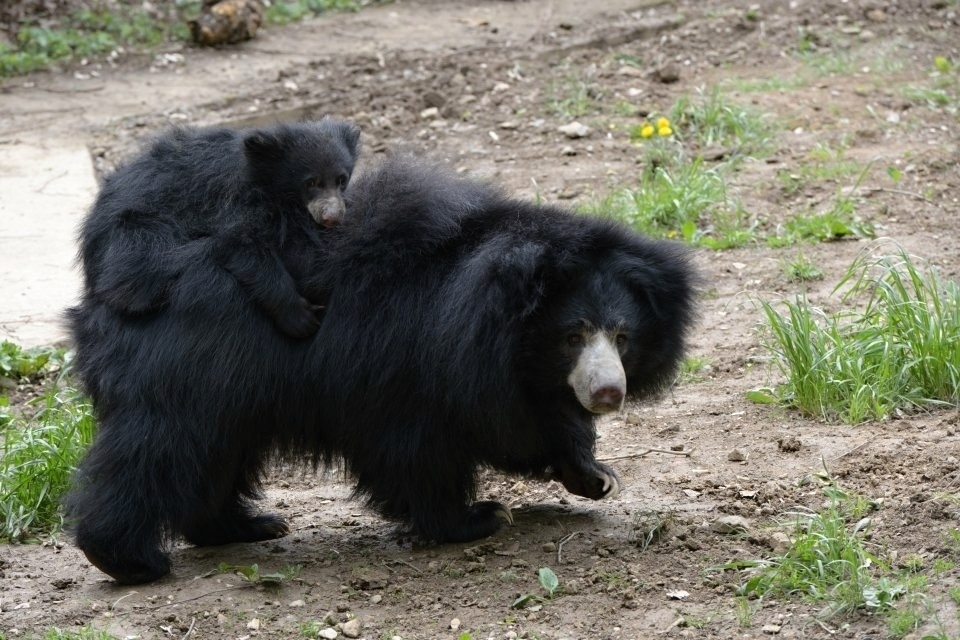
(574, 130)
(455, 624)
(297, 603)
(328, 633)
(730, 524)
(351, 628)
(668, 73)
(789, 443)
(736, 456)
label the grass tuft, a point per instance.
(38, 456)
(901, 352)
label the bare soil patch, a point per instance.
(472, 84)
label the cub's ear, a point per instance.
(260, 144)
(349, 135)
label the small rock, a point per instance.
(779, 542)
(736, 456)
(730, 524)
(668, 73)
(574, 130)
(351, 628)
(549, 547)
(772, 629)
(429, 113)
(789, 444)
(297, 603)
(376, 599)
(329, 633)
(434, 99)
(568, 151)
(509, 125)
(254, 624)
(455, 624)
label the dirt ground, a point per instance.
(471, 83)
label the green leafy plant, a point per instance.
(548, 581)
(828, 560)
(711, 120)
(800, 268)
(17, 363)
(251, 573)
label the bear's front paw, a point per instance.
(597, 482)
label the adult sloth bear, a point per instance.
(462, 329)
(467, 329)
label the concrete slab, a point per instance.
(45, 190)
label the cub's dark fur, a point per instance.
(255, 200)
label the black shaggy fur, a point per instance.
(194, 254)
(447, 342)
(445, 347)
(241, 197)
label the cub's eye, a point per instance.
(342, 182)
(574, 339)
(314, 183)
(621, 339)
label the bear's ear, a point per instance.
(659, 275)
(522, 273)
(260, 144)
(349, 135)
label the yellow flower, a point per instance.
(646, 130)
(663, 127)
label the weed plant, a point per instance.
(828, 560)
(901, 352)
(680, 200)
(39, 453)
(710, 120)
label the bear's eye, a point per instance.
(314, 183)
(342, 182)
(621, 339)
(574, 339)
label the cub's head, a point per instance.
(307, 164)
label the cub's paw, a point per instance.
(298, 322)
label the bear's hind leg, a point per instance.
(118, 517)
(235, 519)
(234, 523)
